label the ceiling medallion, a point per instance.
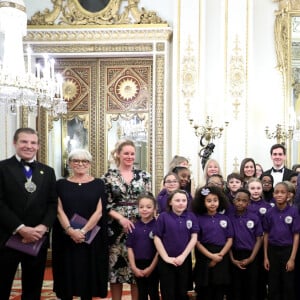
(127, 88)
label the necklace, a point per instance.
(80, 180)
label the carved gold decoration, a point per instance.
(188, 77)
(236, 165)
(127, 88)
(281, 41)
(158, 116)
(70, 12)
(96, 36)
(43, 135)
(288, 4)
(237, 77)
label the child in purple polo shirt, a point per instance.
(175, 235)
(171, 183)
(246, 244)
(142, 254)
(257, 204)
(234, 183)
(260, 207)
(281, 238)
(211, 271)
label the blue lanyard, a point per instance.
(28, 173)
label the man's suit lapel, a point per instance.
(17, 172)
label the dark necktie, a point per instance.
(277, 170)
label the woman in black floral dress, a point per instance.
(123, 186)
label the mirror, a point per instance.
(93, 5)
(287, 38)
(75, 135)
(133, 127)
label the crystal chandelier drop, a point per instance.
(20, 87)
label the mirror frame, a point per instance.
(283, 46)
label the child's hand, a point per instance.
(216, 257)
(147, 272)
(212, 263)
(239, 264)
(171, 260)
(267, 264)
(290, 265)
(138, 272)
(245, 262)
(179, 260)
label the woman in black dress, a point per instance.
(80, 268)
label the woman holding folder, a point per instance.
(79, 242)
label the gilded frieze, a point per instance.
(96, 36)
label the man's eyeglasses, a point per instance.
(78, 161)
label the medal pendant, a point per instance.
(30, 186)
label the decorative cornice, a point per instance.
(98, 35)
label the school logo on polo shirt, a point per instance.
(250, 224)
(288, 219)
(189, 224)
(223, 223)
(262, 210)
(151, 235)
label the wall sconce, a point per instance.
(280, 134)
(207, 132)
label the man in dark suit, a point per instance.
(28, 207)
(278, 171)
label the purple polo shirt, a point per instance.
(141, 240)
(247, 227)
(175, 231)
(162, 199)
(214, 229)
(259, 207)
(281, 225)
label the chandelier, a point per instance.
(20, 87)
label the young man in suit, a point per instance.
(28, 207)
(278, 171)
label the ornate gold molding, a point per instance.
(288, 4)
(70, 12)
(188, 76)
(97, 36)
(237, 77)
